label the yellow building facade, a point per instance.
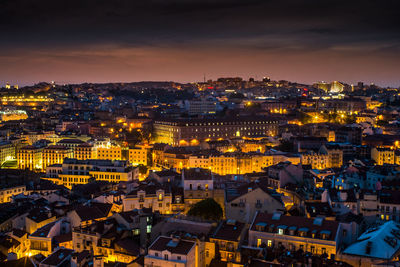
(55, 155)
(30, 157)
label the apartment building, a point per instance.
(317, 236)
(171, 252)
(55, 154)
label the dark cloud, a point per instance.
(78, 29)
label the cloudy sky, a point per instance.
(126, 40)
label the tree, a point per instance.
(207, 209)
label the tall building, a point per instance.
(190, 132)
(30, 157)
(7, 151)
(55, 155)
(138, 155)
(84, 151)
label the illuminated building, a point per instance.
(280, 107)
(331, 136)
(84, 151)
(22, 237)
(7, 192)
(9, 245)
(138, 156)
(74, 171)
(198, 184)
(238, 162)
(383, 155)
(316, 160)
(191, 132)
(335, 155)
(317, 236)
(173, 157)
(31, 102)
(37, 218)
(70, 143)
(220, 163)
(32, 137)
(13, 115)
(111, 153)
(103, 240)
(322, 86)
(7, 151)
(55, 154)
(253, 146)
(336, 87)
(30, 157)
(149, 196)
(42, 239)
(169, 251)
(229, 237)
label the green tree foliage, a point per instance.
(207, 209)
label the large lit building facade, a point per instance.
(7, 151)
(55, 155)
(30, 157)
(383, 155)
(191, 132)
(73, 172)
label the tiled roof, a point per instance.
(150, 189)
(129, 215)
(166, 243)
(18, 233)
(382, 242)
(93, 211)
(63, 238)
(271, 220)
(44, 231)
(229, 230)
(197, 174)
(234, 193)
(129, 245)
(57, 257)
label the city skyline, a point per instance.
(179, 41)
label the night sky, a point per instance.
(115, 40)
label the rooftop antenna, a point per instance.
(204, 77)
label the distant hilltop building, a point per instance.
(8, 86)
(333, 87)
